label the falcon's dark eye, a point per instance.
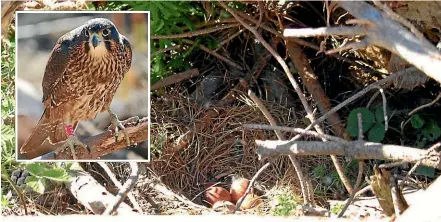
(86, 33)
(106, 32)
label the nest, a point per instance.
(196, 148)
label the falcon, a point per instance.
(81, 77)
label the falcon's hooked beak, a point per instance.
(96, 40)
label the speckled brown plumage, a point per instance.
(81, 77)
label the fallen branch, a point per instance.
(352, 149)
(175, 78)
(126, 188)
(91, 194)
(105, 143)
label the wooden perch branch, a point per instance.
(104, 143)
(353, 149)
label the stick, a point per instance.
(195, 33)
(294, 130)
(308, 196)
(353, 149)
(215, 54)
(425, 105)
(325, 31)
(179, 77)
(250, 185)
(119, 185)
(128, 185)
(428, 154)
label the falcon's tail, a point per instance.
(46, 129)
(38, 136)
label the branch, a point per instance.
(353, 149)
(127, 187)
(311, 32)
(215, 54)
(104, 143)
(175, 78)
(195, 33)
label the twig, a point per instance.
(175, 47)
(356, 187)
(325, 31)
(195, 33)
(294, 130)
(128, 185)
(119, 185)
(353, 149)
(250, 185)
(175, 78)
(229, 39)
(163, 189)
(425, 105)
(307, 194)
(351, 46)
(215, 54)
(293, 82)
(104, 143)
(429, 152)
(360, 169)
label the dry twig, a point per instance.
(119, 185)
(172, 79)
(126, 188)
(195, 33)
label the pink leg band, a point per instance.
(69, 130)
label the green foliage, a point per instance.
(167, 18)
(428, 130)
(372, 122)
(336, 209)
(286, 205)
(41, 172)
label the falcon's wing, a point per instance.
(128, 50)
(56, 66)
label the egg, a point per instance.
(250, 201)
(215, 194)
(238, 189)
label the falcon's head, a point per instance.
(102, 35)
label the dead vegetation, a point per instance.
(275, 66)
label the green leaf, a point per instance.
(426, 171)
(36, 169)
(352, 125)
(379, 114)
(57, 174)
(376, 133)
(416, 121)
(36, 184)
(432, 131)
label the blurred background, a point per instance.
(36, 36)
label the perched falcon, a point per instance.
(81, 77)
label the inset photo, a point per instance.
(82, 86)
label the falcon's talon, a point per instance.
(71, 142)
(116, 124)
